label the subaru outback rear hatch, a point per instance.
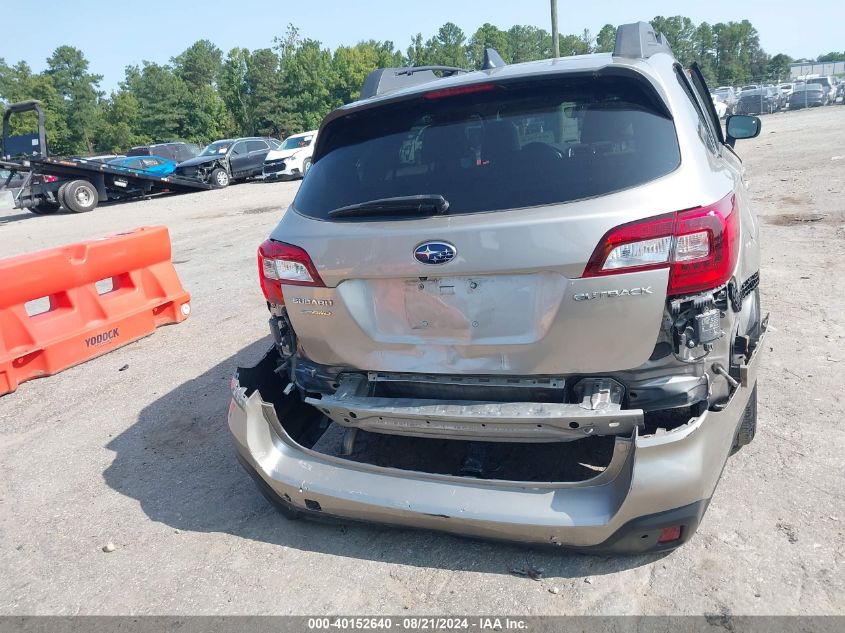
(457, 231)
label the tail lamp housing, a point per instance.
(700, 247)
(280, 263)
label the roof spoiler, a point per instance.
(639, 41)
(384, 80)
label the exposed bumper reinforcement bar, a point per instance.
(488, 421)
(599, 413)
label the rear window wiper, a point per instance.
(430, 204)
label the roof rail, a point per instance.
(384, 80)
(639, 40)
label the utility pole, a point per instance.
(555, 38)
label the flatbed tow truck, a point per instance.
(78, 184)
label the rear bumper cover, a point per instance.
(652, 482)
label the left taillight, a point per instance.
(700, 247)
(280, 263)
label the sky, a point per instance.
(115, 34)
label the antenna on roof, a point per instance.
(492, 59)
(639, 40)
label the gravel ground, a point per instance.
(141, 458)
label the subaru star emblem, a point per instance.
(435, 253)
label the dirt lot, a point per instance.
(141, 457)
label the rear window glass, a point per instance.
(505, 147)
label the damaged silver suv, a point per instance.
(518, 303)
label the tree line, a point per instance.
(202, 95)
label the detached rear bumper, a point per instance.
(651, 482)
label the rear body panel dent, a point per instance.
(554, 333)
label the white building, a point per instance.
(802, 69)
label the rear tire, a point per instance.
(220, 178)
(60, 194)
(748, 424)
(81, 196)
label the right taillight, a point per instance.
(699, 246)
(280, 263)
(698, 267)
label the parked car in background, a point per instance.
(729, 96)
(786, 89)
(808, 96)
(177, 150)
(721, 106)
(487, 268)
(827, 84)
(757, 100)
(292, 159)
(228, 160)
(778, 96)
(157, 165)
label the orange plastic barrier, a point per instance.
(83, 318)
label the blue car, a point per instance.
(155, 165)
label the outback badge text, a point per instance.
(625, 292)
